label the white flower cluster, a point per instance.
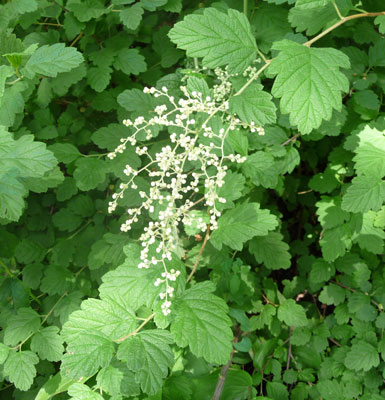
(195, 156)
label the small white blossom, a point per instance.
(173, 180)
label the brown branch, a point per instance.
(199, 254)
(224, 370)
(78, 37)
(335, 342)
(354, 291)
(292, 139)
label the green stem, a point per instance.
(196, 64)
(145, 322)
(251, 80)
(337, 10)
(7, 270)
(359, 10)
(262, 56)
(245, 7)
(42, 322)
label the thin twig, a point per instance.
(335, 342)
(340, 22)
(337, 10)
(224, 370)
(253, 78)
(199, 254)
(7, 270)
(268, 301)
(305, 191)
(289, 354)
(354, 291)
(65, 9)
(292, 139)
(78, 37)
(49, 24)
(145, 322)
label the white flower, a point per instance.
(195, 156)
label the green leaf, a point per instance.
(117, 380)
(20, 326)
(314, 19)
(85, 10)
(231, 190)
(12, 104)
(364, 194)
(51, 179)
(324, 182)
(131, 17)
(330, 213)
(376, 54)
(12, 193)
(4, 351)
(271, 250)
(23, 6)
(277, 391)
(201, 322)
(99, 78)
(20, 368)
(309, 82)
(56, 280)
(134, 284)
(31, 158)
(130, 61)
(65, 152)
(362, 356)
(66, 220)
(108, 137)
(270, 24)
(48, 344)
(330, 389)
(108, 250)
(50, 60)
(261, 168)
(321, 271)
(380, 21)
(136, 100)
(112, 316)
(237, 386)
(334, 242)
(61, 84)
(28, 251)
(292, 314)
(80, 391)
(370, 152)
(151, 5)
(308, 4)
(149, 355)
(241, 224)
(5, 72)
(332, 294)
(254, 105)
(86, 354)
(89, 173)
(221, 39)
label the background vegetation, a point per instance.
(302, 291)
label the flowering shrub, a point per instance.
(192, 199)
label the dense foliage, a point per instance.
(246, 183)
